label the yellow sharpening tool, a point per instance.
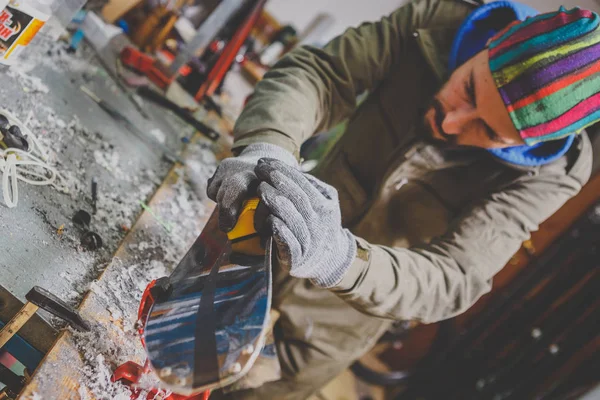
(243, 237)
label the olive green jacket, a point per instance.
(433, 225)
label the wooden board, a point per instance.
(13, 326)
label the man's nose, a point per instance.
(455, 121)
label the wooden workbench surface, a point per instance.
(78, 366)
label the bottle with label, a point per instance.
(3, 4)
(20, 21)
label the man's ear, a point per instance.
(503, 31)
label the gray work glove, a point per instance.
(234, 180)
(305, 222)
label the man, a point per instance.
(466, 143)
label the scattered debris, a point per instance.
(158, 135)
(30, 84)
(109, 159)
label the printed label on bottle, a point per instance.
(16, 29)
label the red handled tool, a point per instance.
(145, 64)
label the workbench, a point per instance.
(149, 211)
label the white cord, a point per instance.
(18, 165)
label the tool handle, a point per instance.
(49, 302)
(243, 237)
(137, 60)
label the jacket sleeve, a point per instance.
(444, 278)
(312, 89)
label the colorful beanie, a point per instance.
(547, 70)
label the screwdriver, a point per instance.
(41, 298)
(116, 114)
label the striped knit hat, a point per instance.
(547, 70)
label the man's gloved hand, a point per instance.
(305, 221)
(235, 181)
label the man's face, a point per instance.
(468, 110)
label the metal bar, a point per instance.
(222, 65)
(208, 30)
(57, 307)
(131, 127)
(161, 100)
